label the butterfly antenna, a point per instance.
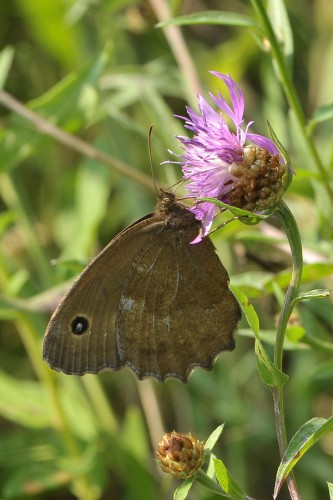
(175, 186)
(151, 158)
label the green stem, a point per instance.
(291, 95)
(289, 224)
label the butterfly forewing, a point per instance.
(94, 296)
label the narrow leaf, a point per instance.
(6, 59)
(182, 491)
(248, 310)
(300, 443)
(269, 374)
(280, 22)
(210, 484)
(213, 438)
(212, 17)
(321, 114)
(313, 294)
(330, 490)
(228, 484)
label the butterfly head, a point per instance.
(174, 213)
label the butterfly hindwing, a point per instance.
(177, 311)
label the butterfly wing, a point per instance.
(176, 309)
(150, 300)
(80, 337)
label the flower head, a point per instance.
(181, 455)
(219, 164)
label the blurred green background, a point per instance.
(100, 71)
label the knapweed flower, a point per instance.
(180, 455)
(217, 162)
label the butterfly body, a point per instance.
(150, 301)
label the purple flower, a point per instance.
(217, 162)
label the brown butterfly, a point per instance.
(150, 301)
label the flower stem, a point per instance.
(291, 94)
(289, 224)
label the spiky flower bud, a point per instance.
(180, 455)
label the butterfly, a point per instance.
(150, 301)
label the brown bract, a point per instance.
(260, 180)
(180, 455)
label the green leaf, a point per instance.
(313, 294)
(321, 114)
(46, 23)
(133, 436)
(23, 402)
(248, 310)
(252, 283)
(6, 59)
(213, 438)
(280, 22)
(330, 490)
(72, 390)
(34, 479)
(42, 475)
(225, 479)
(182, 491)
(210, 484)
(64, 104)
(300, 443)
(212, 17)
(93, 185)
(269, 374)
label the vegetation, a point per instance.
(81, 82)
